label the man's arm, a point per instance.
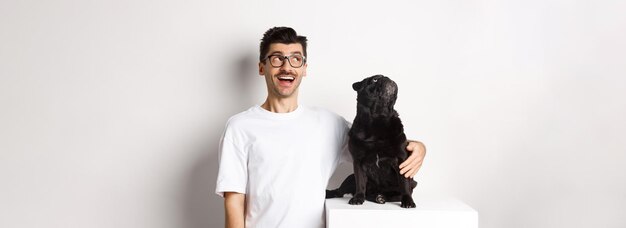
(234, 205)
(413, 163)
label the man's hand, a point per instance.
(413, 163)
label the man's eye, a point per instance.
(296, 58)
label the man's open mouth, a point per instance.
(286, 78)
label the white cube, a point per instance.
(429, 213)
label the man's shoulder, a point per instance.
(241, 117)
(325, 113)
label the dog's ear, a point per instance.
(357, 86)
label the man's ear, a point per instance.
(357, 86)
(261, 69)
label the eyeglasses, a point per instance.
(295, 60)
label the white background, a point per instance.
(111, 111)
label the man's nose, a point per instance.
(286, 65)
(286, 71)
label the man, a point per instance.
(276, 159)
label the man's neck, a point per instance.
(279, 105)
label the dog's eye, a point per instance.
(375, 80)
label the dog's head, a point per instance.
(378, 93)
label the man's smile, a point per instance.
(286, 80)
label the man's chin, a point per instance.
(285, 93)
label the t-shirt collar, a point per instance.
(273, 115)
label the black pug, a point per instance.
(378, 146)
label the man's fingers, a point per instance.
(403, 170)
(412, 168)
(405, 166)
(410, 146)
(411, 160)
(408, 160)
(413, 163)
(412, 156)
(411, 172)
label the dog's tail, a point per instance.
(348, 186)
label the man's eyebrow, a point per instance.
(278, 52)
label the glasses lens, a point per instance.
(276, 60)
(296, 60)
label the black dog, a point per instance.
(377, 144)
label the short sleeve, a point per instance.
(233, 165)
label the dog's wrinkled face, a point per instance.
(376, 92)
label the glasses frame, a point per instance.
(285, 57)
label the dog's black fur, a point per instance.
(377, 144)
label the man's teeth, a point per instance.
(286, 78)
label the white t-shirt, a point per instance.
(282, 162)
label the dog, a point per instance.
(377, 143)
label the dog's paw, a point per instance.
(357, 200)
(380, 199)
(407, 202)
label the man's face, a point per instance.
(282, 81)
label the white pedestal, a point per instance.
(429, 213)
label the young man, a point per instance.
(276, 159)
